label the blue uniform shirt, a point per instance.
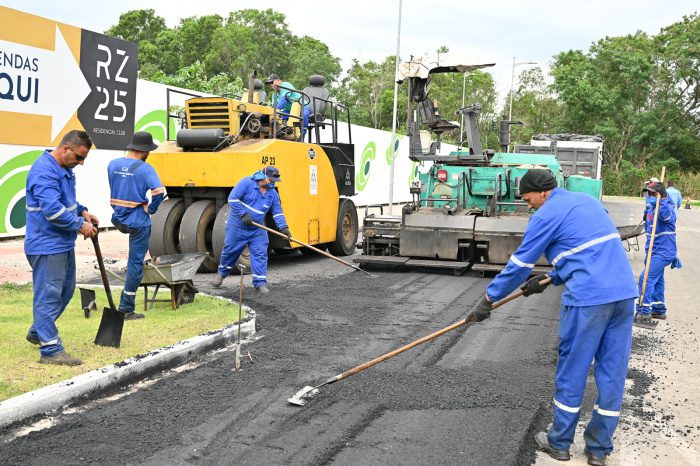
(53, 213)
(246, 198)
(676, 198)
(665, 238)
(579, 239)
(129, 181)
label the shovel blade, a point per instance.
(648, 325)
(303, 396)
(110, 331)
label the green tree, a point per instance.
(195, 77)
(137, 26)
(308, 56)
(194, 37)
(535, 104)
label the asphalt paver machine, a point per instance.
(467, 212)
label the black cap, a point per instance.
(272, 172)
(537, 180)
(656, 187)
(143, 142)
(272, 78)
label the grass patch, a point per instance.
(20, 370)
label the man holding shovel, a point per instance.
(663, 252)
(252, 198)
(54, 218)
(579, 239)
(130, 179)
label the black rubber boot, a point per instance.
(594, 460)
(32, 340)
(658, 315)
(543, 444)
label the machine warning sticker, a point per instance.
(312, 153)
(313, 180)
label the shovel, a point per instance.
(87, 301)
(303, 396)
(110, 331)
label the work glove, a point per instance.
(287, 233)
(481, 311)
(247, 219)
(533, 286)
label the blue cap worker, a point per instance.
(580, 241)
(252, 198)
(675, 196)
(285, 95)
(54, 219)
(130, 179)
(662, 255)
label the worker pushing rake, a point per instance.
(577, 237)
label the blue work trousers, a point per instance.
(53, 276)
(237, 238)
(654, 293)
(138, 245)
(600, 334)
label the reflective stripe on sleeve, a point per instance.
(156, 191)
(605, 412)
(73, 207)
(278, 215)
(585, 245)
(32, 209)
(563, 407)
(520, 263)
(57, 214)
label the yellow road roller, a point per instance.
(225, 139)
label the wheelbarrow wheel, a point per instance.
(218, 237)
(196, 232)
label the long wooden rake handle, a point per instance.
(467, 320)
(324, 253)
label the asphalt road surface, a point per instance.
(475, 396)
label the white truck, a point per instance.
(578, 154)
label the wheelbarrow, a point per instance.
(174, 271)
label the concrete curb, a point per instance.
(95, 382)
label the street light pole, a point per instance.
(512, 79)
(393, 122)
(461, 122)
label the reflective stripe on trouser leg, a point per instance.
(235, 242)
(257, 246)
(138, 245)
(658, 303)
(580, 330)
(54, 279)
(610, 371)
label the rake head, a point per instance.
(304, 395)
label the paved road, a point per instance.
(471, 397)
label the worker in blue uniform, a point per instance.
(54, 218)
(252, 198)
(662, 255)
(285, 97)
(580, 241)
(130, 179)
(675, 197)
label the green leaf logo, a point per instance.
(154, 123)
(13, 184)
(389, 154)
(368, 155)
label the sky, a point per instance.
(489, 31)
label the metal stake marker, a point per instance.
(241, 267)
